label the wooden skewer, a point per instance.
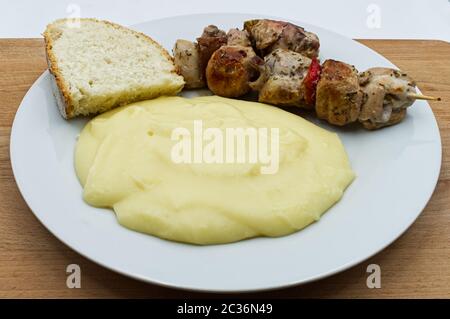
(423, 97)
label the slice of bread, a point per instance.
(98, 65)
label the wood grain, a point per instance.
(33, 262)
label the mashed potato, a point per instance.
(124, 160)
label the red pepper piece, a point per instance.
(311, 80)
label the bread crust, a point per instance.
(60, 87)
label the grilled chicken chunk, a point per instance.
(285, 71)
(386, 97)
(187, 59)
(231, 69)
(269, 35)
(338, 95)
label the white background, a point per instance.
(405, 19)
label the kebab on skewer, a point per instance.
(263, 35)
(289, 74)
(340, 95)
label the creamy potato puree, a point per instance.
(123, 160)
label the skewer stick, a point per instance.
(423, 97)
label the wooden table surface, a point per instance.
(33, 262)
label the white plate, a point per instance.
(397, 169)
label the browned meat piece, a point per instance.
(238, 37)
(187, 60)
(212, 31)
(387, 94)
(338, 95)
(211, 39)
(192, 58)
(269, 35)
(231, 69)
(285, 73)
